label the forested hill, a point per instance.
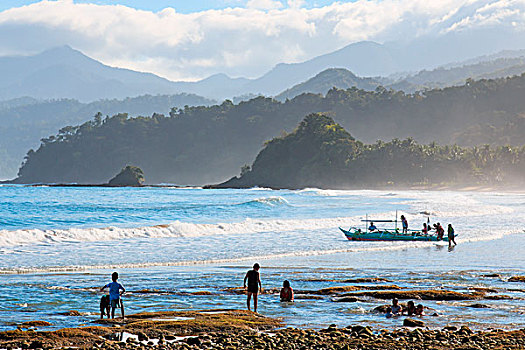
(321, 154)
(198, 145)
(24, 121)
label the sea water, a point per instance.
(59, 245)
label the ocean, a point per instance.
(183, 248)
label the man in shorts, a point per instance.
(254, 285)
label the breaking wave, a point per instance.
(266, 201)
(175, 229)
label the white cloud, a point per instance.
(264, 4)
(239, 41)
(296, 3)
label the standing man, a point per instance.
(404, 223)
(254, 285)
(451, 236)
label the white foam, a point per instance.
(374, 247)
(452, 204)
(176, 229)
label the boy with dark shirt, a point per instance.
(254, 285)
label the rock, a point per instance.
(466, 330)
(420, 294)
(129, 176)
(492, 275)
(479, 306)
(36, 344)
(70, 313)
(410, 322)
(450, 328)
(346, 300)
(35, 324)
(517, 279)
(360, 330)
(142, 336)
(193, 341)
(335, 290)
(365, 280)
(483, 289)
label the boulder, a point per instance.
(130, 176)
(346, 300)
(142, 336)
(410, 322)
(479, 306)
(517, 279)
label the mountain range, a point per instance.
(40, 94)
(64, 72)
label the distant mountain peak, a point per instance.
(61, 50)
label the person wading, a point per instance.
(254, 285)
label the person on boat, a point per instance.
(419, 310)
(404, 223)
(411, 308)
(372, 227)
(440, 231)
(254, 285)
(286, 292)
(397, 309)
(425, 229)
(451, 236)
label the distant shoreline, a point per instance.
(437, 187)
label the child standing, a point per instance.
(114, 294)
(254, 285)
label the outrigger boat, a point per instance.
(357, 234)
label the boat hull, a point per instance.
(416, 236)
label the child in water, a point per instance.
(286, 292)
(254, 285)
(114, 294)
(411, 308)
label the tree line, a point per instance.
(207, 144)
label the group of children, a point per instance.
(410, 310)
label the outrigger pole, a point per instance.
(396, 220)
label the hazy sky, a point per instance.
(191, 39)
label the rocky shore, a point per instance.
(234, 329)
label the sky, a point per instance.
(182, 6)
(192, 39)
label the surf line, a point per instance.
(84, 268)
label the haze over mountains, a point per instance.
(64, 72)
(29, 85)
